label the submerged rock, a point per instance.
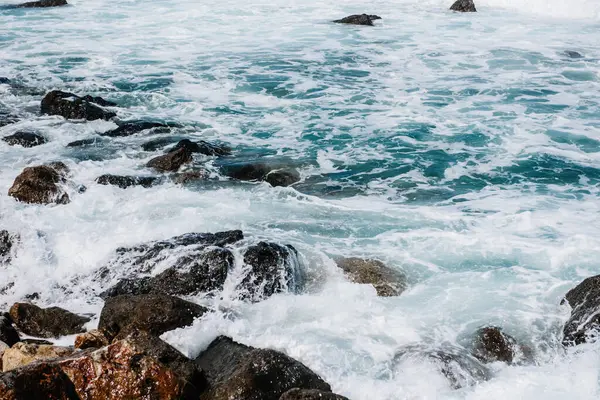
(491, 344)
(43, 4)
(190, 176)
(235, 371)
(25, 139)
(310, 394)
(126, 181)
(6, 244)
(573, 54)
(386, 281)
(133, 127)
(46, 322)
(4, 80)
(83, 142)
(22, 354)
(358, 19)
(8, 333)
(138, 367)
(261, 172)
(92, 339)
(464, 6)
(274, 269)
(71, 106)
(584, 323)
(159, 143)
(151, 313)
(461, 369)
(40, 185)
(282, 177)
(171, 161)
(202, 147)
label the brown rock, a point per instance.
(39, 381)
(92, 339)
(310, 394)
(387, 281)
(171, 162)
(46, 322)
(22, 354)
(39, 185)
(191, 176)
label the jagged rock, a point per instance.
(159, 143)
(464, 6)
(235, 371)
(3, 348)
(6, 244)
(39, 381)
(46, 322)
(358, 19)
(43, 4)
(201, 147)
(40, 185)
(25, 139)
(71, 106)
(171, 161)
(83, 142)
(8, 333)
(133, 127)
(22, 354)
(192, 274)
(274, 269)
(310, 394)
(491, 344)
(92, 339)
(190, 176)
(4, 80)
(152, 313)
(459, 368)
(126, 181)
(584, 323)
(386, 281)
(246, 171)
(138, 367)
(282, 177)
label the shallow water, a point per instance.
(460, 149)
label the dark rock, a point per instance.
(358, 19)
(584, 323)
(202, 147)
(573, 54)
(171, 161)
(25, 139)
(156, 144)
(310, 394)
(491, 344)
(71, 106)
(43, 4)
(4, 81)
(235, 371)
(190, 176)
(464, 6)
(274, 269)
(461, 369)
(99, 100)
(36, 341)
(133, 127)
(206, 272)
(246, 172)
(39, 381)
(126, 181)
(6, 244)
(387, 281)
(152, 313)
(282, 177)
(83, 142)
(40, 185)
(46, 322)
(8, 333)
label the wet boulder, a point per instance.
(158, 143)
(151, 313)
(573, 54)
(202, 272)
(386, 281)
(463, 6)
(190, 176)
(40, 185)
(282, 177)
(172, 161)
(202, 147)
(22, 354)
(584, 323)
(7, 241)
(132, 127)
(358, 19)
(273, 269)
(310, 394)
(490, 344)
(92, 339)
(38, 381)
(461, 369)
(236, 371)
(43, 4)
(24, 139)
(8, 333)
(84, 142)
(4, 80)
(71, 106)
(126, 181)
(246, 171)
(46, 322)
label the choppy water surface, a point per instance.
(460, 149)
